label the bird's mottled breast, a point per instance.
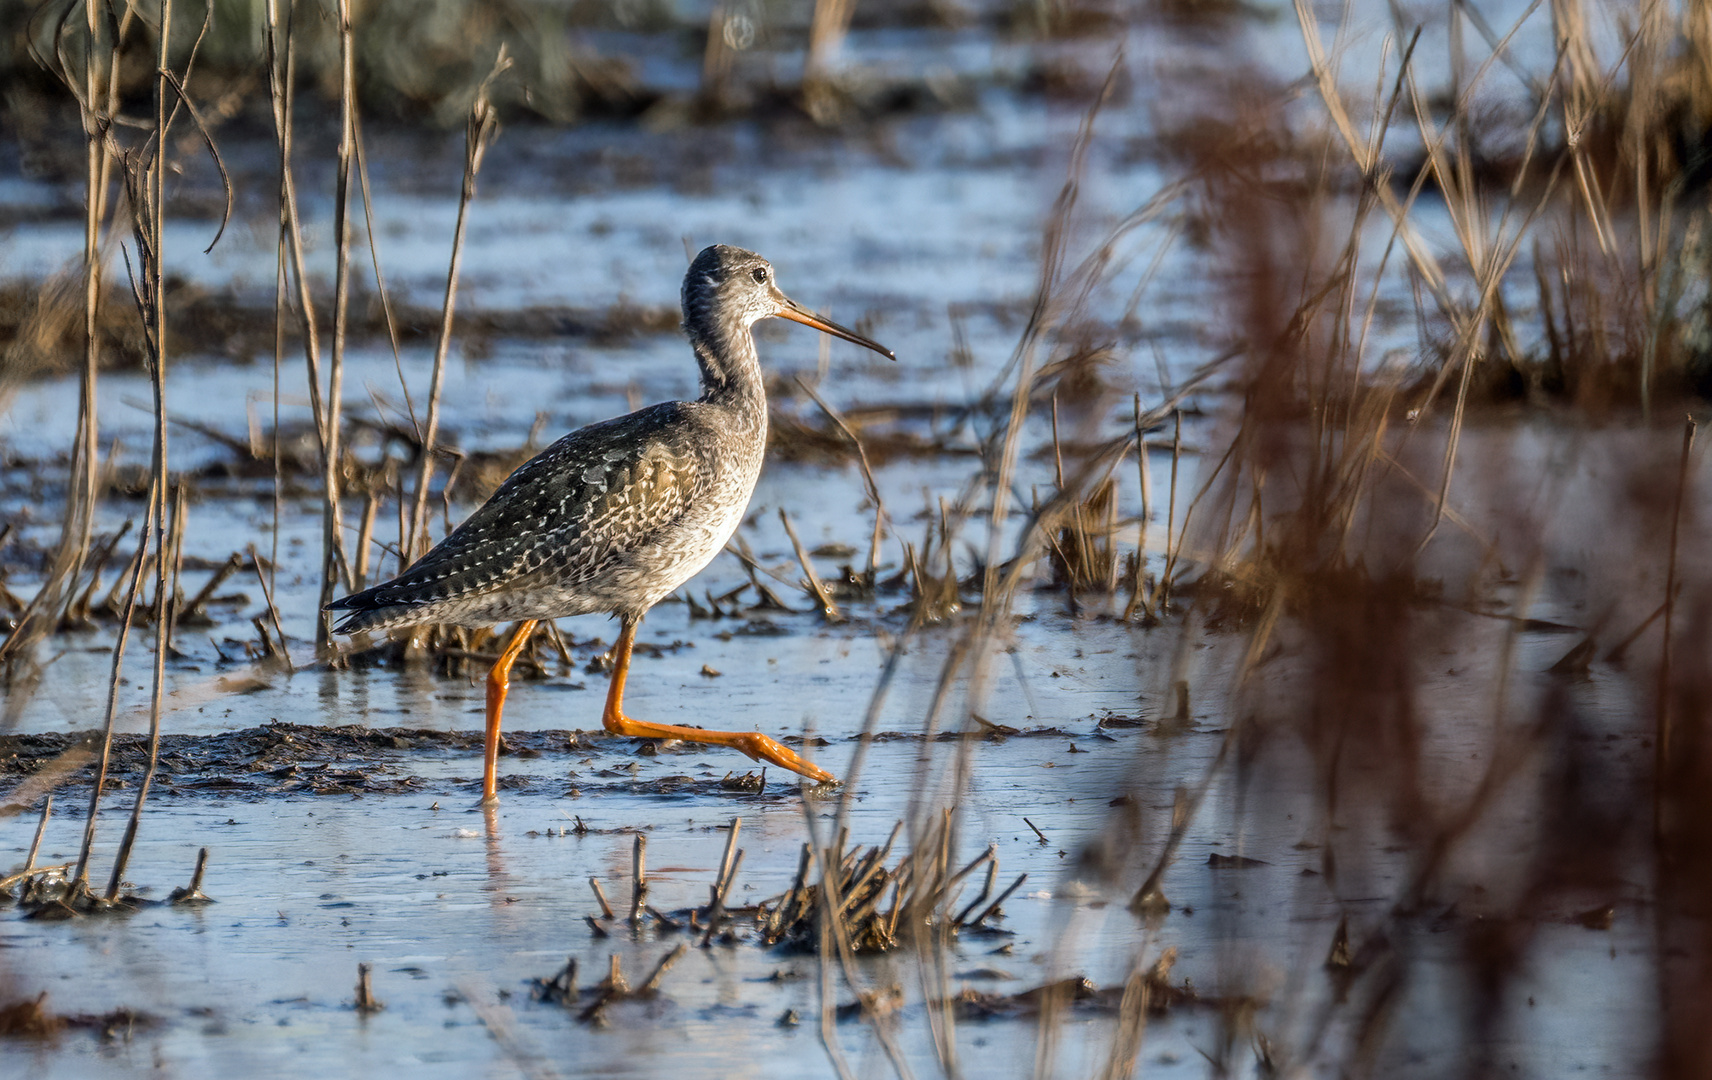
(710, 475)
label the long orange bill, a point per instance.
(797, 313)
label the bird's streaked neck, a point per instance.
(730, 367)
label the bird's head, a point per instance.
(728, 287)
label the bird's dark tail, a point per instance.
(370, 609)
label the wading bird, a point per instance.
(615, 516)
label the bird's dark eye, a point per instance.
(759, 274)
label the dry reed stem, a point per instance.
(1325, 78)
(282, 89)
(365, 537)
(835, 940)
(881, 518)
(481, 128)
(600, 895)
(716, 909)
(97, 163)
(811, 580)
(827, 29)
(333, 559)
(1162, 590)
(80, 877)
(1664, 732)
(501, 1022)
(282, 97)
(1488, 257)
(651, 985)
(41, 829)
(273, 610)
(865, 735)
(162, 629)
(719, 882)
(366, 1002)
(281, 112)
(42, 614)
(1138, 587)
(175, 600)
(1132, 1014)
(95, 150)
(638, 879)
(996, 599)
(147, 214)
(380, 278)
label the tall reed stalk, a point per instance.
(335, 567)
(481, 128)
(146, 190)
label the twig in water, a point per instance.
(716, 910)
(561, 988)
(12, 879)
(600, 895)
(273, 609)
(725, 860)
(664, 921)
(994, 906)
(638, 879)
(716, 891)
(651, 985)
(815, 587)
(612, 988)
(41, 827)
(192, 893)
(218, 578)
(986, 891)
(366, 1002)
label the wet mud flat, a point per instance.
(284, 759)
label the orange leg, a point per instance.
(756, 745)
(498, 682)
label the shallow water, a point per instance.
(458, 914)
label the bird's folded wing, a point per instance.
(568, 515)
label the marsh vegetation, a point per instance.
(1261, 622)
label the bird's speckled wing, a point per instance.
(557, 534)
